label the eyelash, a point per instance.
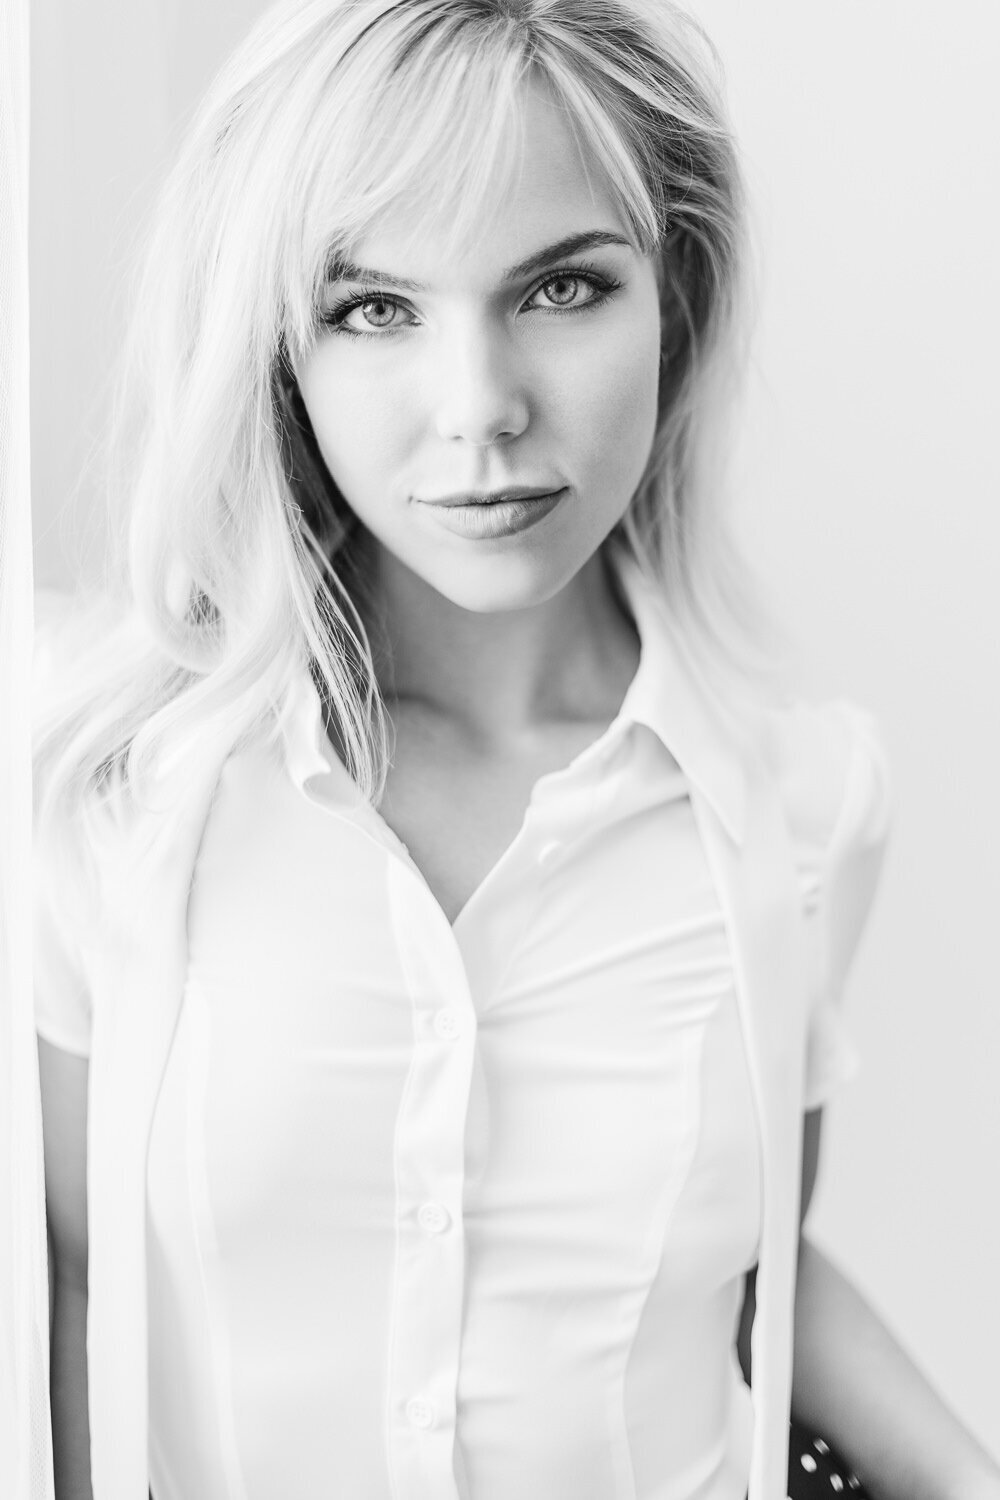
(604, 287)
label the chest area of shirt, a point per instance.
(458, 811)
(584, 1007)
(302, 894)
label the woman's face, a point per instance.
(515, 365)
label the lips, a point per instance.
(493, 497)
(496, 520)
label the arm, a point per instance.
(856, 1385)
(63, 1081)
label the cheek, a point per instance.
(612, 405)
(360, 423)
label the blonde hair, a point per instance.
(233, 566)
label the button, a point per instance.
(448, 1024)
(433, 1217)
(420, 1413)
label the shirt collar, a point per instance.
(675, 699)
(668, 694)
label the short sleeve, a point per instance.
(839, 852)
(61, 999)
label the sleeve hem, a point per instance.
(64, 1040)
(829, 1086)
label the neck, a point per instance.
(505, 675)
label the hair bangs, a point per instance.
(436, 143)
(600, 140)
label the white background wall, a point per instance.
(870, 499)
(872, 505)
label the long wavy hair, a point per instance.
(235, 562)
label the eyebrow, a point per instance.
(572, 244)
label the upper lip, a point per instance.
(491, 497)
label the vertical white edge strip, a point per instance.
(25, 1428)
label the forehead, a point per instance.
(545, 187)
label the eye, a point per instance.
(573, 289)
(376, 312)
(563, 289)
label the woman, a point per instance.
(441, 922)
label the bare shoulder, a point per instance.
(63, 1079)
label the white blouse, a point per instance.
(457, 1210)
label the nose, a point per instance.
(480, 392)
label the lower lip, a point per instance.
(504, 518)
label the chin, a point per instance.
(499, 584)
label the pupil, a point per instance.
(379, 308)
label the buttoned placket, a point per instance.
(429, 1153)
(449, 990)
(429, 1269)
